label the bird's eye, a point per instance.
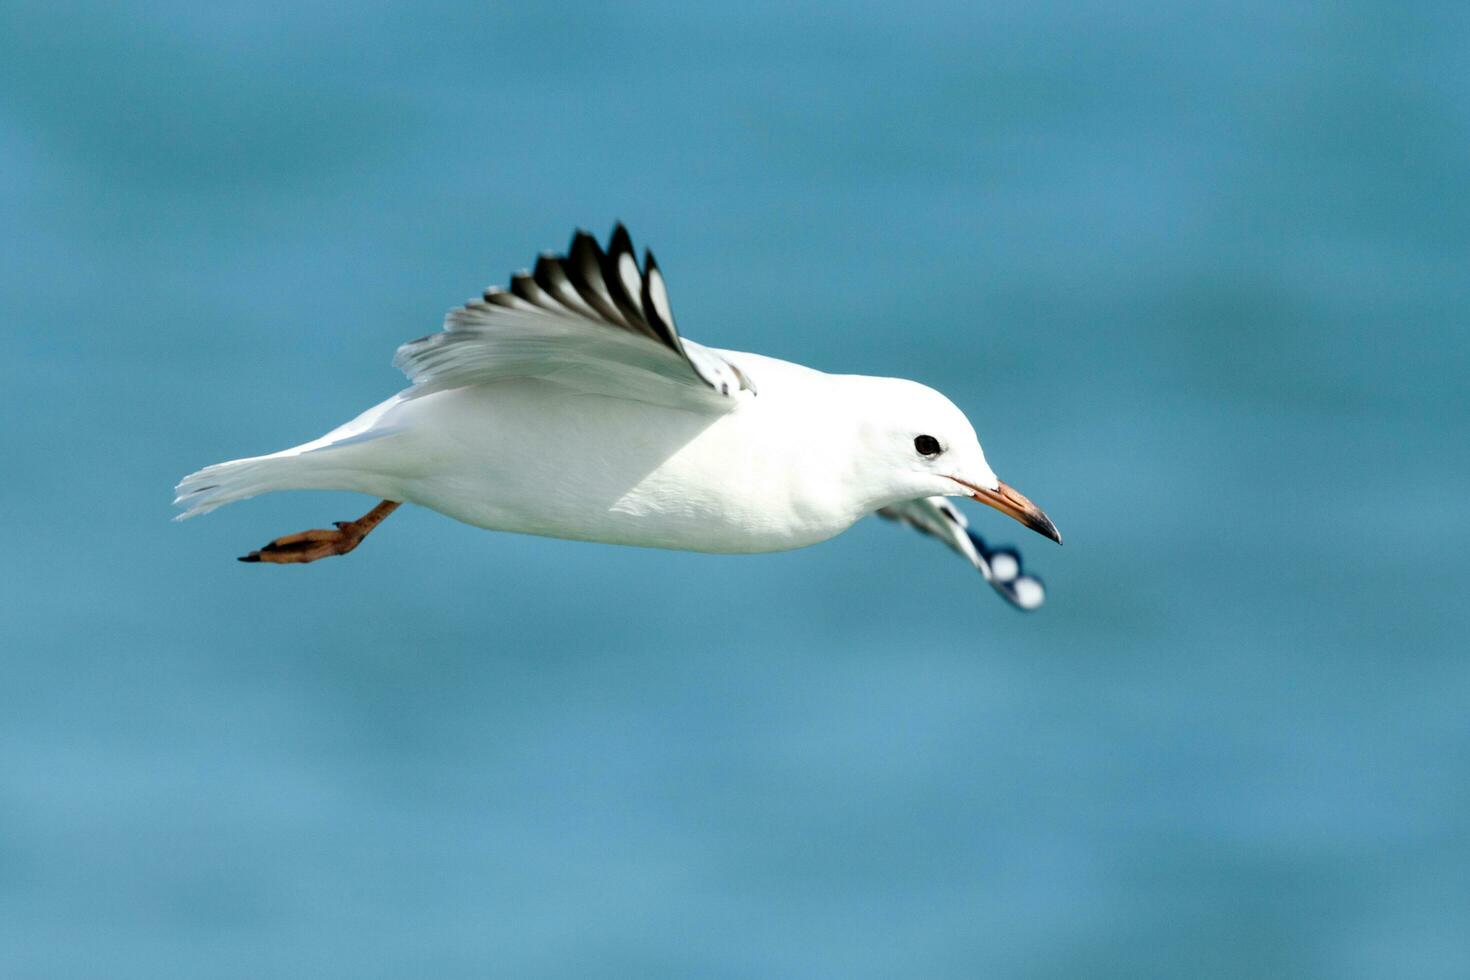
(926, 446)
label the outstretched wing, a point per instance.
(1001, 567)
(591, 319)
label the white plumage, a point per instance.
(569, 406)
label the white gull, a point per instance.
(570, 406)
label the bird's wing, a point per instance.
(1001, 567)
(591, 320)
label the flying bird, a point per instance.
(570, 406)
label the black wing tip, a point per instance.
(629, 296)
(593, 282)
(1008, 575)
(619, 236)
(582, 240)
(618, 240)
(620, 243)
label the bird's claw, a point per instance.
(306, 546)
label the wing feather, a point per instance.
(591, 319)
(552, 277)
(584, 267)
(940, 518)
(523, 286)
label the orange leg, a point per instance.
(310, 545)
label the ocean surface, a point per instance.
(1199, 273)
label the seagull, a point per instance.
(570, 406)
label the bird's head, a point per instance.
(926, 447)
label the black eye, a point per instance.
(926, 445)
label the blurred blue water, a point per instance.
(1198, 273)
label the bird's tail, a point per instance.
(224, 483)
(345, 464)
(343, 459)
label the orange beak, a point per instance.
(1014, 505)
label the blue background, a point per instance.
(1197, 272)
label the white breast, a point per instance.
(530, 457)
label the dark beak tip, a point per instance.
(1015, 506)
(1046, 528)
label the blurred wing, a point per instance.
(1001, 567)
(591, 320)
